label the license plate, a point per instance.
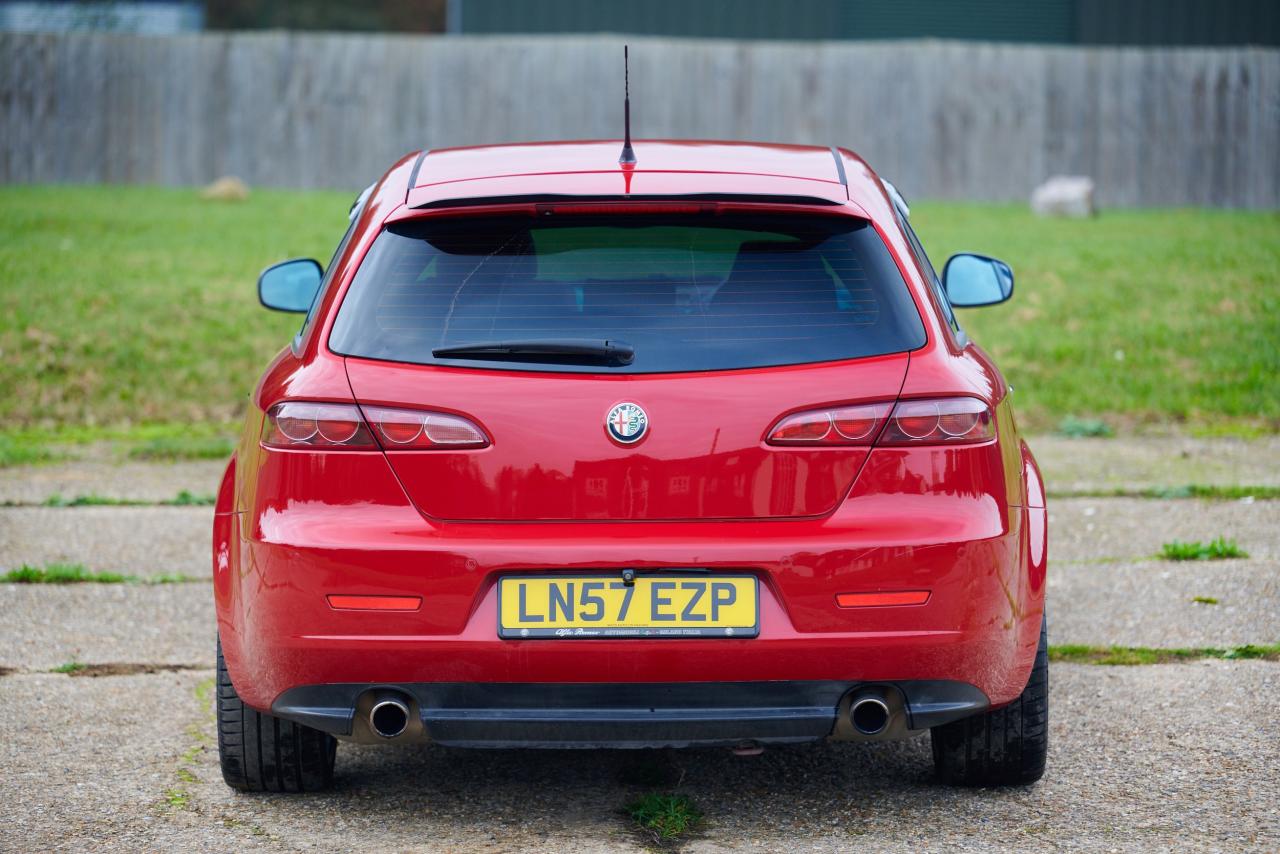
(652, 606)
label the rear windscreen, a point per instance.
(696, 293)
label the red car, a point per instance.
(573, 452)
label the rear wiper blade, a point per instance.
(543, 350)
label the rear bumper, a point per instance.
(625, 715)
(290, 638)
(275, 565)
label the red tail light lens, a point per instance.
(805, 428)
(945, 420)
(298, 424)
(948, 420)
(846, 425)
(410, 429)
(342, 426)
(857, 423)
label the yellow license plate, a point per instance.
(650, 606)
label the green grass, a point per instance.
(1210, 492)
(184, 498)
(1217, 493)
(122, 306)
(130, 313)
(1134, 655)
(1205, 600)
(1133, 316)
(69, 667)
(664, 817)
(1219, 548)
(179, 796)
(178, 799)
(74, 573)
(1085, 428)
(166, 578)
(62, 573)
(171, 448)
(54, 442)
(15, 453)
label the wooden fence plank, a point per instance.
(941, 119)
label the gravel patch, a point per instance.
(137, 481)
(130, 540)
(1151, 603)
(1098, 529)
(1107, 587)
(87, 763)
(45, 625)
(1133, 463)
(1136, 765)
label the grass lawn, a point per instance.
(1135, 316)
(125, 306)
(130, 313)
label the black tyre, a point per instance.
(1006, 747)
(262, 753)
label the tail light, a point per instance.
(847, 425)
(415, 429)
(939, 421)
(342, 426)
(297, 424)
(948, 420)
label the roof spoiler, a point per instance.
(553, 198)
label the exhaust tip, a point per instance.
(389, 717)
(870, 715)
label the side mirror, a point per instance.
(976, 280)
(290, 285)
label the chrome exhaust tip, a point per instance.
(389, 716)
(869, 715)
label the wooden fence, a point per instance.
(941, 119)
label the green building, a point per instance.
(1080, 22)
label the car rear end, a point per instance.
(741, 490)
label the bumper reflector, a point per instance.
(374, 603)
(868, 600)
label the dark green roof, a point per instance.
(1112, 22)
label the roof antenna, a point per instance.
(628, 156)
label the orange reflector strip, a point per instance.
(867, 600)
(374, 603)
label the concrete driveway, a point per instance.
(1145, 758)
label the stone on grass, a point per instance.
(226, 189)
(1064, 195)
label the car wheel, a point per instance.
(1005, 747)
(262, 753)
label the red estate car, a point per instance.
(689, 451)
